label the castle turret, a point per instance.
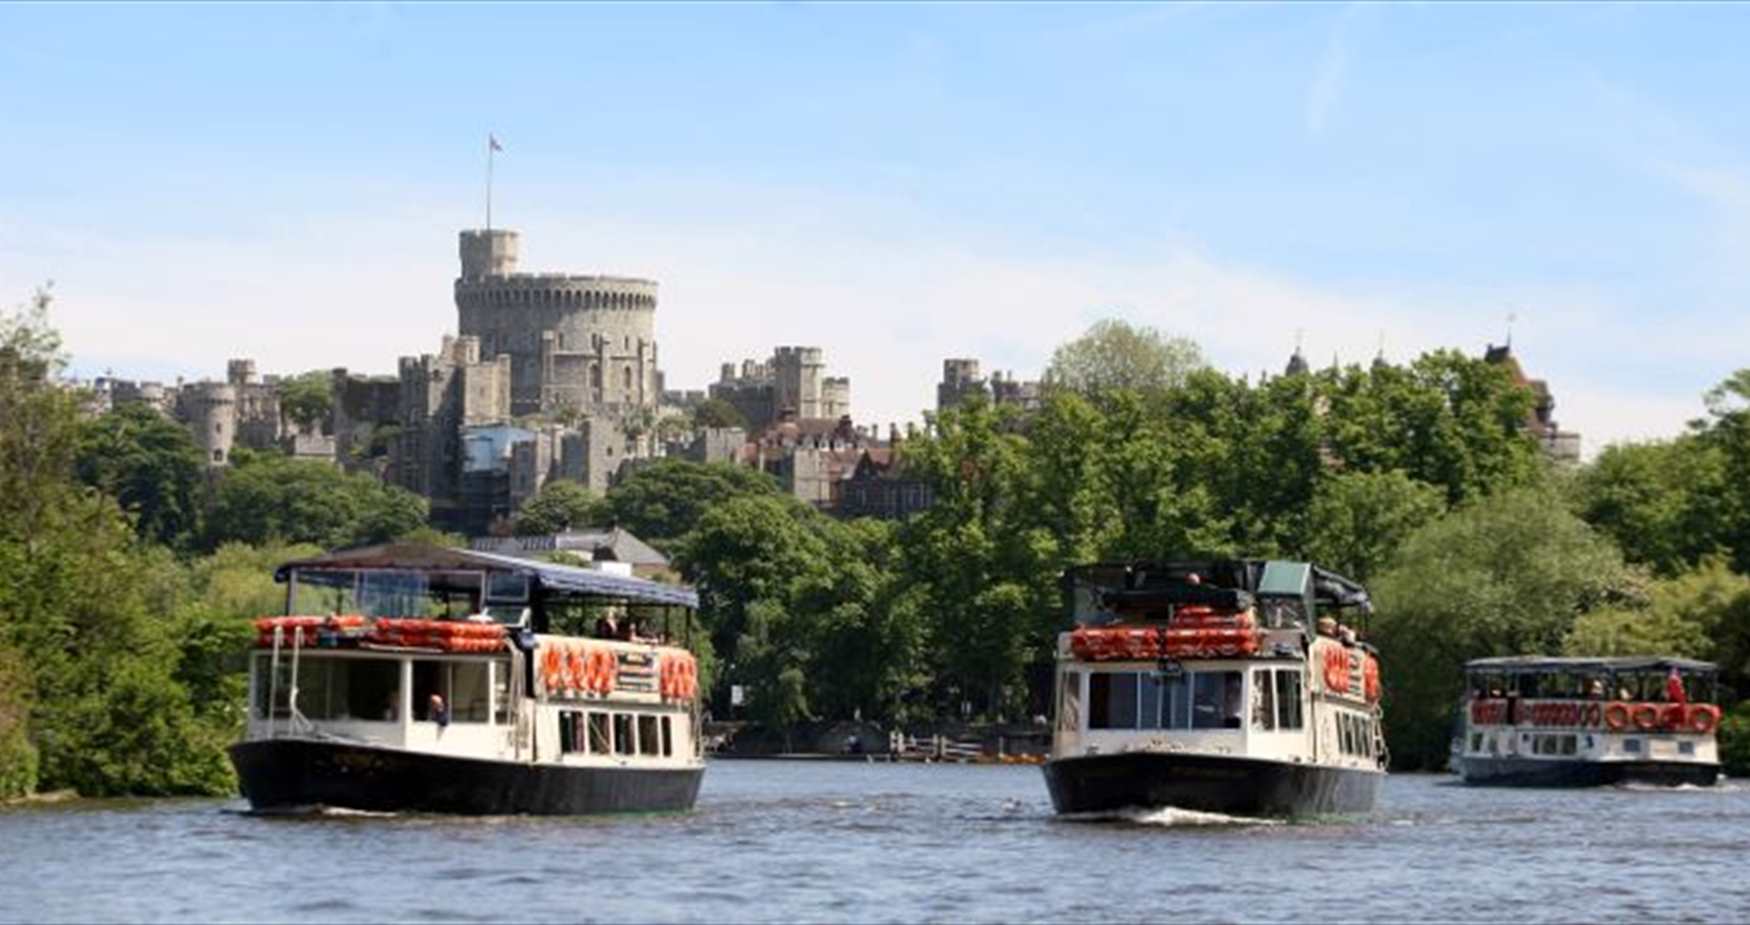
(488, 252)
(210, 408)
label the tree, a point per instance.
(1115, 355)
(1661, 502)
(663, 501)
(559, 506)
(150, 465)
(303, 501)
(308, 398)
(1507, 574)
(80, 608)
(1358, 521)
(715, 412)
(1727, 429)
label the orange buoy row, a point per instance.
(678, 677)
(302, 630)
(577, 669)
(1370, 678)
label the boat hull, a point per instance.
(294, 774)
(1208, 783)
(1522, 772)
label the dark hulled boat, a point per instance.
(1220, 686)
(470, 682)
(1534, 721)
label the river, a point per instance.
(811, 841)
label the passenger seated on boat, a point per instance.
(606, 628)
(439, 712)
(1328, 626)
(1595, 690)
(392, 708)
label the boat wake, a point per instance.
(1169, 817)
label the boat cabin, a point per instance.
(1231, 657)
(1630, 709)
(481, 654)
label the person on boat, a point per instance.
(606, 627)
(439, 711)
(393, 707)
(1674, 692)
(1595, 690)
(1328, 626)
(1193, 579)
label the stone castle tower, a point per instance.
(586, 343)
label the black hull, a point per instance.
(1208, 783)
(1525, 772)
(292, 774)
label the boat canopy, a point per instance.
(1286, 592)
(546, 578)
(1544, 664)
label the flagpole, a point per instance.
(489, 181)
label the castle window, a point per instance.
(595, 376)
(218, 456)
(628, 378)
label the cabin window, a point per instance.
(1631, 745)
(667, 737)
(600, 741)
(569, 740)
(1121, 702)
(501, 693)
(1175, 702)
(649, 739)
(1288, 699)
(1570, 744)
(1149, 688)
(1686, 748)
(1263, 701)
(1476, 741)
(1069, 715)
(462, 685)
(333, 689)
(623, 744)
(1215, 700)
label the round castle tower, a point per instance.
(586, 342)
(210, 408)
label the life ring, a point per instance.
(1704, 718)
(610, 671)
(1616, 717)
(574, 673)
(1646, 717)
(552, 667)
(689, 679)
(669, 677)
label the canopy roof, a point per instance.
(1256, 576)
(558, 580)
(1545, 663)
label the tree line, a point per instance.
(128, 574)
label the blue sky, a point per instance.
(901, 183)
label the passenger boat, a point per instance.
(1576, 722)
(426, 679)
(1220, 686)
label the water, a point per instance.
(813, 841)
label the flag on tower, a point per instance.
(492, 140)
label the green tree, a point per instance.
(1661, 502)
(302, 501)
(715, 412)
(1115, 355)
(149, 464)
(1507, 574)
(1359, 520)
(663, 501)
(1727, 429)
(559, 506)
(308, 398)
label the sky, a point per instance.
(902, 183)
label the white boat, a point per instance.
(427, 679)
(1220, 686)
(1576, 722)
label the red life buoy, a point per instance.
(1646, 717)
(1704, 718)
(1591, 715)
(1616, 716)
